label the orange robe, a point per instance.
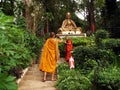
(49, 56)
(69, 47)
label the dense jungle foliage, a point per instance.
(17, 50)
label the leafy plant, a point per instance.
(102, 57)
(99, 35)
(107, 78)
(62, 67)
(77, 41)
(72, 79)
(113, 44)
(7, 82)
(17, 49)
(62, 49)
(89, 65)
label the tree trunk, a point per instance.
(34, 20)
(91, 15)
(28, 19)
(28, 15)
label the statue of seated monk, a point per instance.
(69, 26)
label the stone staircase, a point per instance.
(32, 80)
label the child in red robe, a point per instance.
(68, 48)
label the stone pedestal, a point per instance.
(73, 35)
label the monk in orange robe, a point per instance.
(68, 48)
(49, 56)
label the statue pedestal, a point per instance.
(73, 35)
(70, 32)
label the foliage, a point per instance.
(97, 65)
(47, 35)
(7, 82)
(107, 78)
(102, 34)
(19, 7)
(7, 6)
(72, 80)
(77, 41)
(62, 49)
(89, 66)
(83, 41)
(111, 18)
(33, 43)
(13, 51)
(17, 49)
(103, 57)
(62, 67)
(58, 10)
(113, 44)
(99, 35)
(20, 21)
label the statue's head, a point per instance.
(68, 15)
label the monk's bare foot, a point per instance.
(43, 80)
(53, 79)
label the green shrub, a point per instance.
(110, 43)
(113, 44)
(7, 82)
(20, 22)
(17, 49)
(71, 79)
(99, 35)
(89, 65)
(77, 41)
(13, 51)
(62, 67)
(62, 49)
(107, 78)
(102, 57)
(82, 41)
(33, 43)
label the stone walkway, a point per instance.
(33, 79)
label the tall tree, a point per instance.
(58, 9)
(33, 14)
(7, 6)
(91, 15)
(112, 17)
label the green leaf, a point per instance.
(7, 82)
(9, 79)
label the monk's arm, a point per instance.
(60, 40)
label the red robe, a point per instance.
(69, 47)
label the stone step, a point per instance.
(32, 80)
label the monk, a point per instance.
(68, 48)
(49, 56)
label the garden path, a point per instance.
(33, 79)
